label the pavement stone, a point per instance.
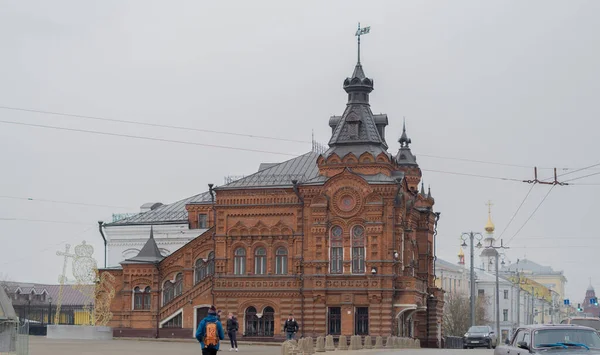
(43, 346)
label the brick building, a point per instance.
(344, 240)
(591, 308)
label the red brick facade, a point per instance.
(350, 252)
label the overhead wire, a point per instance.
(532, 214)
(159, 125)
(48, 247)
(517, 211)
(38, 220)
(581, 177)
(473, 175)
(189, 128)
(61, 202)
(145, 138)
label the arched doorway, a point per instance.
(268, 321)
(260, 325)
(251, 328)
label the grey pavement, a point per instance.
(43, 346)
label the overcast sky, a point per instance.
(511, 82)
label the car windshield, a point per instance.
(478, 330)
(566, 338)
(592, 323)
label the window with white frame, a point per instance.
(358, 250)
(336, 251)
(141, 298)
(172, 289)
(260, 261)
(281, 261)
(202, 221)
(239, 261)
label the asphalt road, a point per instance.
(43, 346)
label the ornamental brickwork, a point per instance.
(347, 249)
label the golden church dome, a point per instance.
(461, 252)
(489, 226)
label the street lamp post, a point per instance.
(471, 236)
(496, 255)
(50, 310)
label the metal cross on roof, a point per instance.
(359, 32)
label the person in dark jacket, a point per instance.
(201, 332)
(232, 329)
(290, 327)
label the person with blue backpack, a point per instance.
(210, 333)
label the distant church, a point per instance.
(344, 240)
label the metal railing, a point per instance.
(453, 343)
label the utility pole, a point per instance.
(532, 305)
(542, 311)
(496, 255)
(471, 236)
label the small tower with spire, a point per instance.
(588, 306)
(407, 161)
(488, 255)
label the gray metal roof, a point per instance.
(148, 254)
(533, 267)
(71, 296)
(166, 214)
(404, 155)
(7, 312)
(371, 179)
(357, 131)
(302, 168)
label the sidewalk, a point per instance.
(178, 340)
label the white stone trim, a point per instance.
(172, 316)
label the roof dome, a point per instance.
(461, 252)
(489, 226)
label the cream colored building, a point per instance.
(554, 281)
(451, 277)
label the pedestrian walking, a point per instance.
(232, 329)
(210, 333)
(290, 327)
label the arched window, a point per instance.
(204, 268)
(281, 261)
(251, 328)
(172, 289)
(240, 261)
(358, 250)
(178, 285)
(200, 271)
(268, 322)
(211, 263)
(260, 261)
(141, 299)
(263, 326)
(336, 250)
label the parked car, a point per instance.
(552, 339)
(592, 322)
(480, 336)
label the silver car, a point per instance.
(552, 339)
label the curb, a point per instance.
(171, 340)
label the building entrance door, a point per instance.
(334, 320)
(361, 321)
(201, 313)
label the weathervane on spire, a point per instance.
(360, 32)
